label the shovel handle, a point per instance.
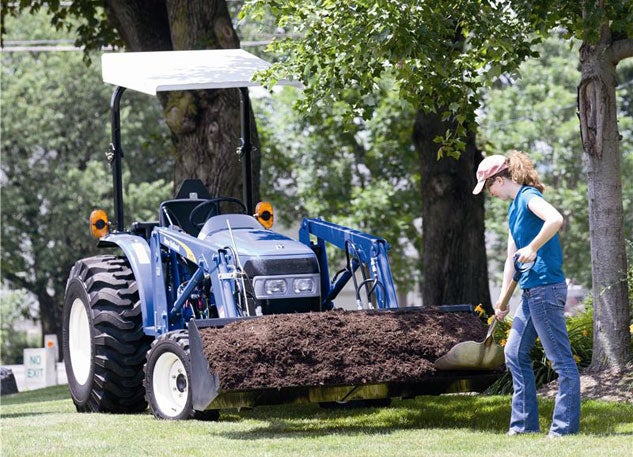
(519, 269)
(506, 297)
(502, 306)
(491, 329)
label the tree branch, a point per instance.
(17, 280)
(621, 49)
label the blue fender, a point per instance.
(137, 252)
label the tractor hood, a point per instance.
(250, 238)
(261, 242)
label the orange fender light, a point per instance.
(264, 214)
(99, 223)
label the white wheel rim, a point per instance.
(79, 344)
(170, 384)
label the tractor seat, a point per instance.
(177, 211)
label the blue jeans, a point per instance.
(541, 314)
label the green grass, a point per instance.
(44, 423)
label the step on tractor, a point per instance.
(132, 320)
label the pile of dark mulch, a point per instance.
(335, 347)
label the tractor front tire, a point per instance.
(103, 342)
(168, 379)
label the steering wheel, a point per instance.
(208, 207)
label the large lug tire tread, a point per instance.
(107, 288)
(176, 342)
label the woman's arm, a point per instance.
(552, 222)
(508, 272)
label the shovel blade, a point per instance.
(471, 355)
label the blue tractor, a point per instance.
(131, 321)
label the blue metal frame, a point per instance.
(367, 249)
(218, 264)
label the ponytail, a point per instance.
(522, 171)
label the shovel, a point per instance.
(487, 355)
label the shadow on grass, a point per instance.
(472, 413)
(480, 413)
(18, 415)
(423, 412)
(54, 393)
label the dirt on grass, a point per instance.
(607, 385)
(335, 347)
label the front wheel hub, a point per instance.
(170, 384)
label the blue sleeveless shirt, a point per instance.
(524, 226)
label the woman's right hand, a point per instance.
(500, 314)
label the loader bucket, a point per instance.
(208, 393)
(205, 386)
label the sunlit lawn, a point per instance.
(44, 422)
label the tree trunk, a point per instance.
(600, 137)
(205, 125)
(51, 316)
(454, 250)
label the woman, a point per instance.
(533, 237)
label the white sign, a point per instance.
(40, 369)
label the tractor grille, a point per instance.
(283, 267)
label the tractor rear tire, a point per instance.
(168, 379)
(103, 342)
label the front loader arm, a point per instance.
(360, 248)
(168, 246)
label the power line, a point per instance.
(46, 49)
(36, 42)
(73, 48)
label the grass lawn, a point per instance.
(44, 422)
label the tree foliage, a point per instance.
(93, 32)
(439, 53)
(360, 177)
(54, 173)
(535, 110)
(14, 308)
(204, 123)
(346, 45)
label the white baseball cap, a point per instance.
(489, 167)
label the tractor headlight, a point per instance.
(271, 287)
(275, 286)
(301, 285)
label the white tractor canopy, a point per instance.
(152, 72)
